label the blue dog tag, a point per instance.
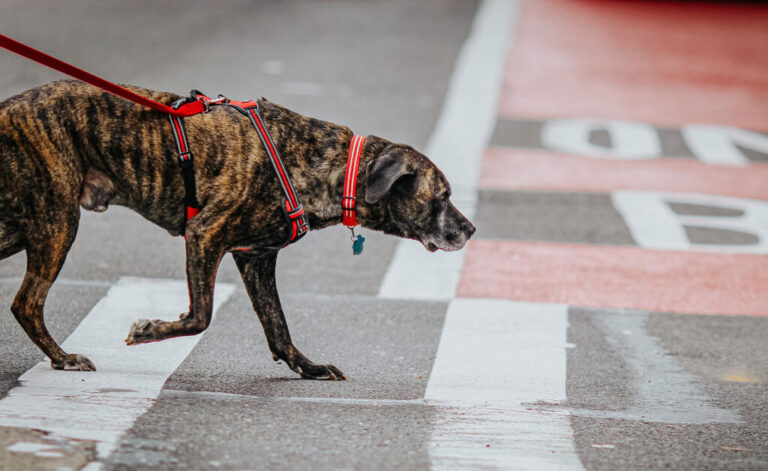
(357, 245)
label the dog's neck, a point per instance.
(324, 207)
(323, 148)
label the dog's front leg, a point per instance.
(259, 277)
(204, 253)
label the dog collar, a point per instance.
(348, 201)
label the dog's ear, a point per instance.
(383, 172)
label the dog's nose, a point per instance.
(470, 228)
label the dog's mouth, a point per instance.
(432, 247)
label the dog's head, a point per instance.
(411, 198)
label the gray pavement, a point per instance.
(659, 383)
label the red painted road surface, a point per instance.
(617, 277)
(662, 63)
(668, 63)
(525, 169)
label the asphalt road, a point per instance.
(645, 389)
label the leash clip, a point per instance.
(207, 102)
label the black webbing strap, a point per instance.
(185, 162)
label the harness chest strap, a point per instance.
(294, 211)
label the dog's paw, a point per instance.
(142, 331)
(73, 362)
(314, 371)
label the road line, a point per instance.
(314, 400)
(456, 146)
(662, 390)
(103, 405)
(495, 356)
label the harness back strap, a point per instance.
(349, 199)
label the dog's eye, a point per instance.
(445, 196)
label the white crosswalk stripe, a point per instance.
(102, 405)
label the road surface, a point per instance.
(610, 312)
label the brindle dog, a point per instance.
(67, 144)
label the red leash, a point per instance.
(12, 45)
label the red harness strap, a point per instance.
(348, 200)
(293, 209)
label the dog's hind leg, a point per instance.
(259, 277)
(46, 252)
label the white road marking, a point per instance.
(313, 400)
(650, 220)
(495, 356)
(720, 144)
(36, 448)
(662, 390)
(456, 146)
(654, 225)
(630, 140)
(103, 405)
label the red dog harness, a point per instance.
(293, 209)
